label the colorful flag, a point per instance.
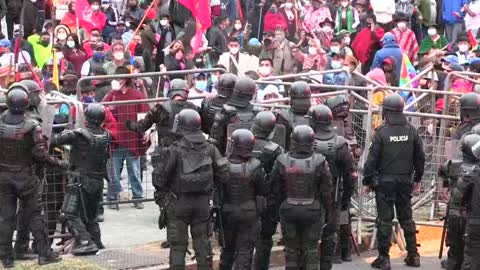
(407, 72)
(473, 41)
(84, 13)
(201, 12)
(55, 75)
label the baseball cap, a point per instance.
(5, 43)
(450, 59)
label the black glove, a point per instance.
(159, 198)
(130, 125)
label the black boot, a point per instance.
(84, 247)
(7, 262)
(99, 243)
(412, 260)
(347, 255)
(22, 253)
(382, 262)
(48, 258)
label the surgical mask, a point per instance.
(288, 5)
(336, 64)
(163, 22)
(335, 49)
(463, 48)
(234, 50)
(95, 7)
(344, 4)
(88, 99)
(327, 29)
(62, 36)
(98, 56)
(312, 50)
(347, 40)
(264, 71)
(403, 1)
(118, 56)
(33, 1)
(201, 85)
(432, 32)
(214, 78)
(105, 6)
(238, 26)
(116, 85)
(402, 25)
(71, 44)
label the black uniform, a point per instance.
(467, 194)
(302, 183)
(191, 167)
(244, 183)
(395, 154)
(22, 147)
(90, 151)
(237, 110)
(267, 152)
(300, 102)
(211, 105)
(339, 157)
(469, 114)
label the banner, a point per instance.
(201, 12)
(84, 13)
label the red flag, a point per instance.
(201, 12)
(240, 10)
(472, 39)
(85, 15)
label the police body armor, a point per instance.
(91, 159)
(15, 146)
(290, 120)
(240, 188)
(166, 136)
(265, 150)
(241, 116)
(195, 169)
(213, 105)
(329, 149)
(472, 171)
(301, 177)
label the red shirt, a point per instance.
(122, 113)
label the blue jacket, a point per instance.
(390, 49)
(450, 6)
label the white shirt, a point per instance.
(196, 93)
(7, 59)
(473, 23)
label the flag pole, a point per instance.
(141, 22)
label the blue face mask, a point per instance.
(98, 56)
(201, 85)
(214, 78)
(88, 99)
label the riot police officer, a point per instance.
(300, 95)
(267, 152)
(302, 183)
(244, 184)
(336, 151)
(191, 168)
(469, 114)
(22, 147)
(396, 153)
(90, 151)
(213, 104)
(163, 114)
(237, 110)
(467, 194)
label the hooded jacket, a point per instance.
(390, 49)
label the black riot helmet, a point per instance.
(339, 106)
(469, 147)
(226, 84)
(18, 99)
(33, 89)
(242, 93)
(301, 140)
(470, 106)
(188, 124)
(300, 95)
(242, 142)
(320, 119)
(178, 87)
(263, 124)
(95, 114)
(393, 103)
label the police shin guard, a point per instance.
(312, 258)
(263, 250)
(409, 231)
(95, 233)
(244, 259)
(292, 259)
(226, 260)
(327, 249)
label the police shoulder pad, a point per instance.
(470, 170)
(31, 123)
(253, 164)
(271, 147)
(341, 141)
(229, 109)
(318, 158)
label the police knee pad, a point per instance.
(408, 225)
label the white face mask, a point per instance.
(463, 48)
(62, 36)
(336, 64)
(118, 56)
(234, 50)
(105, 6)
(95, 7)
(288, 5)
(347, 40)
(432, 32)
(327, 29)
(238, 26)
(312, 50)
(344, 4)
(163, 22)
(403, 1)
(402, 25)
(71, 44)
(264, 71)
(335, 49)
(116, 85)
(33, 1)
